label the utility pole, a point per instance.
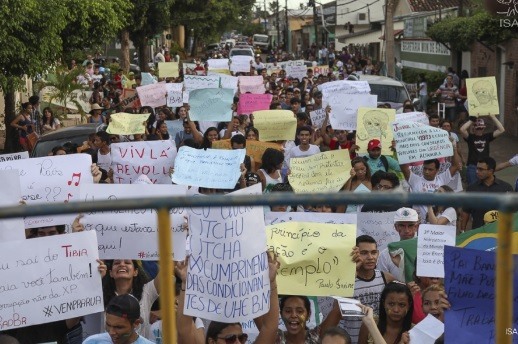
(315, 24)
(265, 18)
(287, 28)
(278, 24)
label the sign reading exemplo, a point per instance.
(314, 257)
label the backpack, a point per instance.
(383, 159)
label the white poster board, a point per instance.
(217, 287)
(51, 179)
(380, 226)
(430, 249)
(344, 108)
(133, 234)
(49, 279)
(152, 158)
(417, 142)
(14, 156)
(11, 229)
(197, 82)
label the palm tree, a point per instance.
(64, 90)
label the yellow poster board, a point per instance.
(221, 71)
(255, 149)
(315, 258)
(221, 144)
(373, 123)
(275, 125)
(127, 123)
(323, 172)
(168, 69)
(482, 96)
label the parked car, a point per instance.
(71, 135)
(242, 51)
(388, 90)
(211, 48)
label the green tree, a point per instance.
(35, 34)
(147, 19)
(91, 23)
(31, 42)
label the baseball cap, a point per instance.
(491, 216)
(406, 215)
(124, 306)
(373, 144)
(479, 123)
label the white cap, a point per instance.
(406, 215)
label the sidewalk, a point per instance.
(502, 149)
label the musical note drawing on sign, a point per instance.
(78, 175)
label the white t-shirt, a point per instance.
(419, 184)
(296, 152)
(104, 161)
(424, 90)
(450, 214)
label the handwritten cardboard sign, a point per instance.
(211, 104)
(228, 81)
(49, 279)
(151, 158)
(240, 64)
(272, 218)
(275, 125)
(296, 69)
(255, 149)
(314, 258)
(11, 229)
(380, 226)
(323, 172)
(346, 87)
(418, 142)
(317, 70)
(197, 82)
(318, 117)
(415, 116)
(221, 144)
(133, 234)
(253, 84)
(127, 123)
(153, 95)
(482, 96)
(344, 107)
(147, 79)
(469, 280)
(174, 94)
(51, 179)
(374, 123)
(218, 64)
(430, 249)
(168, 69)
(249, 103)
(14, 156)
(211, 168)
(227, 277)
(129, 98)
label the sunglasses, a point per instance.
(231, 338)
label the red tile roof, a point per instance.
(431, 5)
